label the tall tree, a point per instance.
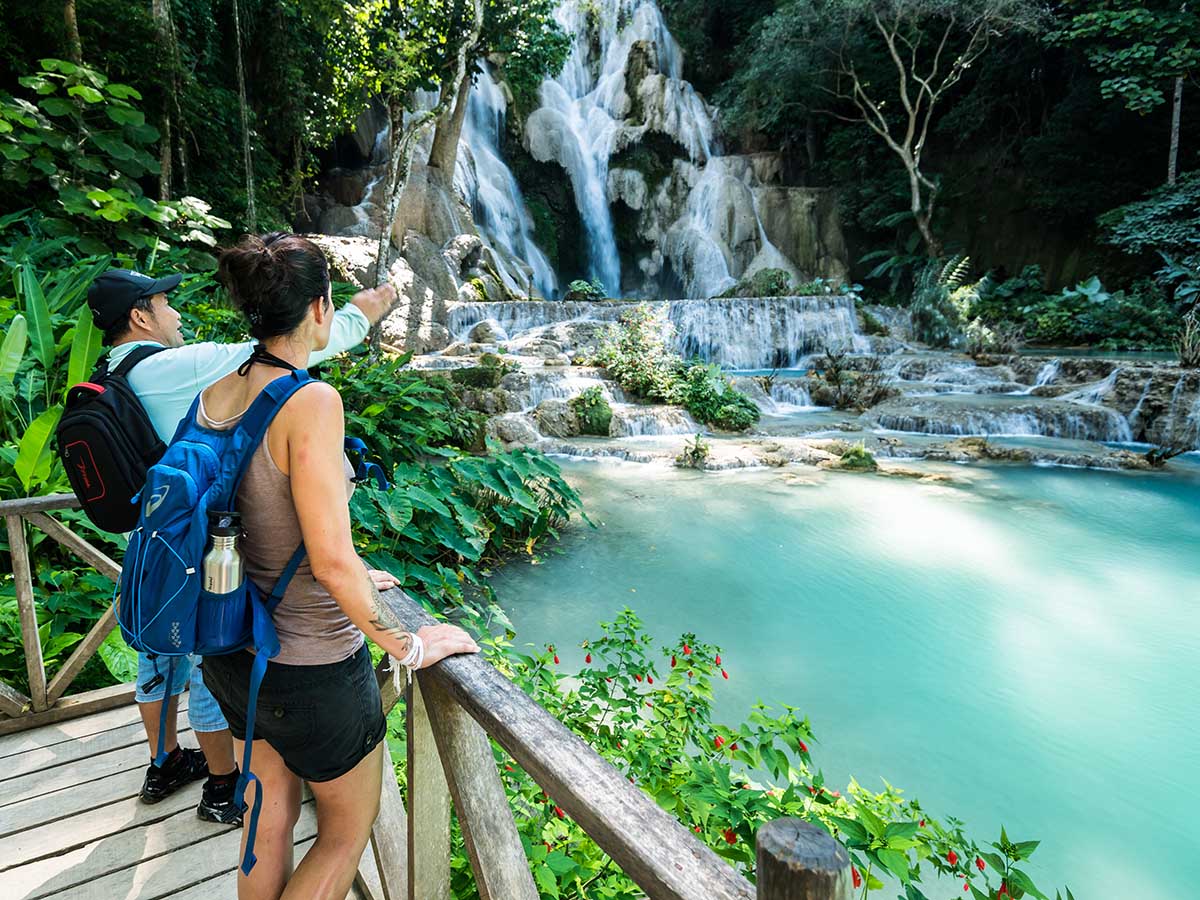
(1143, 48)
(74, 44)
(164, 27)
(531, 43)
(244, 109)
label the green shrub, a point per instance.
(477, 376)
(593, 411)
(706, 392)
(858, 458)
(872, 325)
(585, 290)
(763, 283)
(695, 453)
(635, 353)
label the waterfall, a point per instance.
(636, 421)
(766, 332)
(790, 396)
(1136, 412)
(489, 186)
(1047, 373)
(1058, 421)
(519, 316)
(1095, 393)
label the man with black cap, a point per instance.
(134, 310)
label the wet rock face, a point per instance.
(513, 428)
(556, 418)
(1007, 415)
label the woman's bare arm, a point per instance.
(313, 427)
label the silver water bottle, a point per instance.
(222, 567)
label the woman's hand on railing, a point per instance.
(444, 640)
(382, 580)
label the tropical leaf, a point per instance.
(85, 348)
(34, 450)
(12, 351)
(40, 332)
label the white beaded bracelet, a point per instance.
(416, 653)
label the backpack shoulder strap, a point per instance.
(254, 423)
(132, 358)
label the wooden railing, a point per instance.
(46, 701)
(455, 709)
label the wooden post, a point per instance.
(493, 844)
(23, 581)
(389, 836)
(428, 807)
(799, 861)
(12, 702)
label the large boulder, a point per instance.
(556, 418)
(489, 331)
(429, 205)
(352, 259)
(513, 429)
(348, 221)
(425, 258)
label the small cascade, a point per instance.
(490, 189)
(1048, 373)
(1095, 393)
(560, 386)
(790, 396)
(1135, 414)
(959, 416)
(635, 421)
(519, 316)
(766, 332)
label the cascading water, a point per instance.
(490, 187)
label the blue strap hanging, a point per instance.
(160, 756)
(365, 469)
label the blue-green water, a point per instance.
(1021, 648)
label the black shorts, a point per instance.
(323, 720)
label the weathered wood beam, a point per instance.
(86, 649)
(801, 861)
(390, 676)
(428, 807)
(72, 707)
(501, 870)
(27, 610)
(389, 835)
(12, 701)
(25, 505)
(649, 845)
(93, 556)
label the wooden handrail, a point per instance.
(661, 856)
(46, 702)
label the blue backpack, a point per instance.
(161, 606)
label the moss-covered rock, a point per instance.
(593, 412)
(480, 377)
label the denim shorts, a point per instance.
(203, 712)
(323, 720)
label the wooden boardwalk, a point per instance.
(71, 824)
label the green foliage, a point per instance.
(937, 318)
(858, 459)
(593, 411)
(707, 393)
(585, 290)
(695, 453)
(871, 324)
(1187, 341)
(1137, 45)
(648, 710)
(531, 41)
(635, 353)
(80, 147)
(763, 283)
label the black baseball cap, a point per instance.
(113, 294)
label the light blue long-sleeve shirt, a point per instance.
(168, 382)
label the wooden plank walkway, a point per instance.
(71, 824)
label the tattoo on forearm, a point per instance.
(388, 622)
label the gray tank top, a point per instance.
(312, 628)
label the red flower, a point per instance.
(508, 767)
(803, 746)
(730, 837)
(835, 793)
(547, 843)
(921, 823)
(952, 858)
(857, 878)
(609, 680)
(672, 661)
(718, 659)
(733, 746)
(718, 742)
(687, 651)
(556, 659)
(618, 745)
(558, 812)
(724, 674)
(1003, 889)
(979, 864)
(648, 703)
(588, 659)
(696, 829)
(650, 678)
(690, 673)
(637, 678)
(966, 886)
(812, 790)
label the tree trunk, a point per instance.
(444, 153)
(1176, 112)
(161, 11)
(922, 210)
(243, 106)
(74, 45)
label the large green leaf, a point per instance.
(85, 348)
(38, 312)
(12, 351)
(34, 450)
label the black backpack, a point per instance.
(107, 442)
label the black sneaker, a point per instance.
(216, 802)
(181, 768)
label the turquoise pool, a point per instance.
(1020, 647)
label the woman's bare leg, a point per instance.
(274, 839)
(346, 809)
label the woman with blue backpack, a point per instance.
(319, 717)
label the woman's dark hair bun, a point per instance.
(272, 278)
